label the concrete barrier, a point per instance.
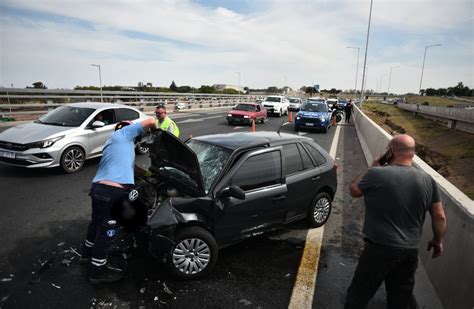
(454, 118)
(452, 274)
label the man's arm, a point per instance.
(355, 191)
(438, 224)
(149, 123)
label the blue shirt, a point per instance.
(118, 158)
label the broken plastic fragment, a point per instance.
(287, 275)
(156, 298)
(66, 262)
(342, 264)
(245, 302)
(6, 279)
(142, 290)
(54, 285)
(166, 289)
(61, 244)
(4, 298)
(75, 252)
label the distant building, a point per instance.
(225, 86)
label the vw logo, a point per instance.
(133, 195)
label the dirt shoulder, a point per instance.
(450, 152)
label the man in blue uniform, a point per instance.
(109, 187)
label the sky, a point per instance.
(300, 42)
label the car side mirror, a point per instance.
(232, 191)
(98, 124)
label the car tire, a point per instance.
(280, 113)
(72, 159)
(262, 121)
(186, 242)
(297, 128)
(325, 130)
(141, 149)
(230, 122)
(319, 210)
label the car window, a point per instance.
(259, 171)
(318, 157)
(273, 99)
(126, 114)
(307, 163)
(292, 159)
(245, 107)
(66, 116)
(314, 107)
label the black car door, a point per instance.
(302, 180)
(259, 175)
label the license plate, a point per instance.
(309, 124)
(7, 154)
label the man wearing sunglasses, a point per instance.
(164, 122)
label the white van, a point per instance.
(276, 105)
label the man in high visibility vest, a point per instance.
(164, 122)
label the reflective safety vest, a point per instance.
(165, 125)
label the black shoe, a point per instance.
(105, 274)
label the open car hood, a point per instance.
(174, 160)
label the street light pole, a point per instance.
(100, 82)
(239, 84)
(365, 57)
(390, 78)
(357, 67)
(423, 66)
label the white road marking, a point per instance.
(303, 290)
(198, 119)
(238, 127)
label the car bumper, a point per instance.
(31, 158)
(294, 108)
(311, 123)
(161, 242)
(245, 121)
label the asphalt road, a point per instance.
(44, 214)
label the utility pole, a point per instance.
(423, 67)
(365, 57)
(100, 81)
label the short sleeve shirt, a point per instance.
(118, 158)
(396, 200)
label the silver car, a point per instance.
(66, 136)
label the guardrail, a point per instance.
(455, 118)
(452, 274)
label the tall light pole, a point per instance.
(423, 67)
(390, 79)
(381, 82)
(100, 82)
(365, 58)
(357, 67)
(239, 84)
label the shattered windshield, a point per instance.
(211, 160)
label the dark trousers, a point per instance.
(348, 117)
(377, 263)
(102, 229)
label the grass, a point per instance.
(449, 151)
(438, 101)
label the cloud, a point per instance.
(192, 43)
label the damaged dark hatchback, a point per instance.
(215, 190)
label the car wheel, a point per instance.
(262, 121)
(230, 122)
(325, 130)
(72, 159)
(297, 128)
(280, 113)
(141, 149)
(194, 253)
(320, 210)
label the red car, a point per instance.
(244, 113)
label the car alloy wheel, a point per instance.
(320, 210)
(72, 159)
(141, 149)
(194, 253)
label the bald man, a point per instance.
(397, 197)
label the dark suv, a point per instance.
(215, 190)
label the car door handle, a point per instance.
(315, 178)
(279, 198)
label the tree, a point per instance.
(272, 89)
(185, 89)
(173, 86)
(39, 85)
(230, 91)
(333, 91)
(206, 89)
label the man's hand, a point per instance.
(437, 248)
(376, 162)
